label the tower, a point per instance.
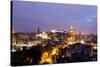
(13, 41)
(13, 30)
(79, 35)
(38, 30)
(71, 38)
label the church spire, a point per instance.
(38, 30)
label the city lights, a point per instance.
(46, 57)
(52, 34)
(82, 41)
(52, 47)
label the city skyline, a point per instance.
(28, 16)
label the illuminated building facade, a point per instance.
(13, 39)
(71, 38)
(43, 35)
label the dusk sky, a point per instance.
(28, 16)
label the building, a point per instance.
(71, 38)
(43, 35)
(13, 39)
